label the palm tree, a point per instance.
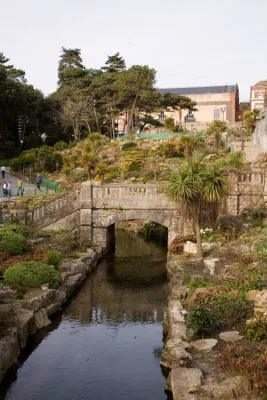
(250, 120)
(216, 128)
(190, 143)
(197, 183)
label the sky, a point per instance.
(189, 43)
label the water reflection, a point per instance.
(108, 343)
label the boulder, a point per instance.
(181, 291)
(210, 264)
(230, 388)
(53, 308)
(261, 302)
(40, 301)
(253, 294)
(7, 293)
(185, 381)
(231, 336)
(204, 344)
(9, 351)
(41, 319)
(26, 325)
(190, 247)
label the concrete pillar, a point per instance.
(104, 237)
(86, 212)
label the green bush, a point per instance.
(256, 329)
(61, 145)
(78, 176)
(31, 274)
(168, 150)
(53, 257)
(24, 160)
(203, 321)
(128, 145)
(12, 243)
(135, 166)
(232, 308)
(170, 124)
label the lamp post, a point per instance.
(223, 111)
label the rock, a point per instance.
(185, 381)
(261, 302)
(26, 325)
(45, 286)
(210, 264)
(230, 388)
(7, 293)
(204, 344)
(38, 302)
(53, 308)
(253, 294)
(41, 320)
(180, 291)
(178, 331)
(168, 384)
(190, 247)
(231, 336)
(177, 342)
(9, 351)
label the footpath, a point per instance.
(251, 150)
(29, 188)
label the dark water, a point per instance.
(107, 343)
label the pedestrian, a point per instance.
(3, 170)
(38, 181)
(20, 188)
(9, 188)
(4, 189)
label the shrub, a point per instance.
(66, 171)
(79, 176)
(170, 124)
(203, 321)
(256, 328)
(53, 257)
(12, 243)
(24, 160)
(135, 166)
(168, 150)
(128, 145)
(61, 145)
(232, 308)
(240, 360)
(31, 274)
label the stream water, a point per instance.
(107, 343)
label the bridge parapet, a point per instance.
(125, 196)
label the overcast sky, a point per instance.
(189, 43)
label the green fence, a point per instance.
(165, 135)
(49, 185)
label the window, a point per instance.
(190, 117)
(216, 114)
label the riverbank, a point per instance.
(215, 330)
(22, 318)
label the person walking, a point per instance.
(4, 189)
(3, 170)
(38, 181)
(9, 189)
(20, 188)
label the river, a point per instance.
(107, 342)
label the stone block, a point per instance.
(185, 381)
(41, 319)
(190, 247)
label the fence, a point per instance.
(165, 135)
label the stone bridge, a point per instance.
(95, 208)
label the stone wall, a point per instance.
(260, 133)
(70, 222)
(33, 312)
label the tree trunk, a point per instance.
(131, 113)
(217, 140)
(196, 218)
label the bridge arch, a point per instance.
(103, 227)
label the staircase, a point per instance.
(56, 209)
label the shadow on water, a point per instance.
(107, 342)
